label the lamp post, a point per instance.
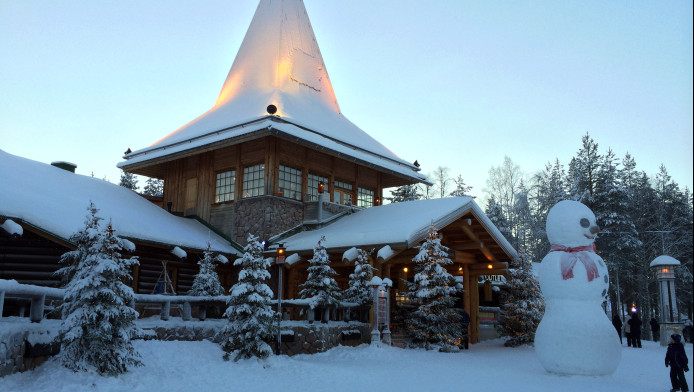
(664, 267)
(375, 284)
(280, 264)
(321, 189)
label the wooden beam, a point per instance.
(467, 229)
(466, 245)
(486, 266)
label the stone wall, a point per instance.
(315, 338)
(263, 216)
(24, 349)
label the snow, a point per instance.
(404, 223)
(664, 260)
(350, 255)
(376, 281)
(128, 245)
(488, 366)
(278, 63)
(573, 302)
(178, 252)
(292, 259)
(12, 228)
(55, 201)
(14, 287)
(385, 253)
(387, 282)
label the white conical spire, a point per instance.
(279, 56)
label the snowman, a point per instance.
(575, 336)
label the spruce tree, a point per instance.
(359, 291)
(154, 187)
(461, 189)
(98, 323)
(435, 322)
(320, 283)
(404, 193)
(128, 180)
(206, 281)
(251, 320)
(523, 304)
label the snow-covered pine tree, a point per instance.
(128, 180)
(435, 322)
(359, 290)
(154, 187)
(320, 283)
(496, 215)
(461, 188)
(523, 304)
(404, 193)
(98, 323)
(251, 320)
(206, 282)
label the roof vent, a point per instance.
(65, 165)
(272, 109)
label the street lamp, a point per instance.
(280, 264)
(664, 267)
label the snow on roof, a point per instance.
(55, 201)
(664, 260)
(279, 63)
(397, 223)
(12, 228)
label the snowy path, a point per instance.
(197, 366)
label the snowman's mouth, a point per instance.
(590, 237)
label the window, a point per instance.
(312, 188)
(254, 180)
(365, 197)
(290, 182)
(342, 194)
(225, 186)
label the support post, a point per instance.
(36, 311)
(165, 309)
(2, 302)
(187, 312)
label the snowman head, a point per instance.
(571, 224)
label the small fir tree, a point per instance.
(320, 283)
(128, 180)
(404, 193)
(359, 291)
(98, 323)
(523, 304)
(435, 322)
(154, 187)
(207, 281)
(250, 318)
(461, 188)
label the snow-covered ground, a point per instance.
(488, 366)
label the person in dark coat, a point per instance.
(635, 328)
(676, 358)
(465, 324)
(655, 329)
(687, 331)
(617, 322)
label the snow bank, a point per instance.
(178, 252)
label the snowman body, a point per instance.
(575, 335)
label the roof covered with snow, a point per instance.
(400, 225)
(664, 260)
(279, 63)
(55, 201)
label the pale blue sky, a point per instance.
(449, 83)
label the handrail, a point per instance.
(38, 296)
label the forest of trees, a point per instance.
(641, 216)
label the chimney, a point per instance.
(65, 165)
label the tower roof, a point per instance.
(279, 63)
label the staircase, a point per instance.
(399, 338)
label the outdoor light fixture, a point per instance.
(489, 266)
(321, 187)
(280, 254)
(378, 202)
(405, 269)
(280, 263)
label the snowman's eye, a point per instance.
(585, 223)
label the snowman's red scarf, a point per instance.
(572, 255)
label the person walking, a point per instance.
(677, 360)
(635, 327)
(617, 322)
(655, 329)
(627, 332)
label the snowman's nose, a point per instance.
(594, 230)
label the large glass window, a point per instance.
(225, 186)
(290, 182)
(342, 193)
(312, 186)
(365, 197)
(254, 180)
